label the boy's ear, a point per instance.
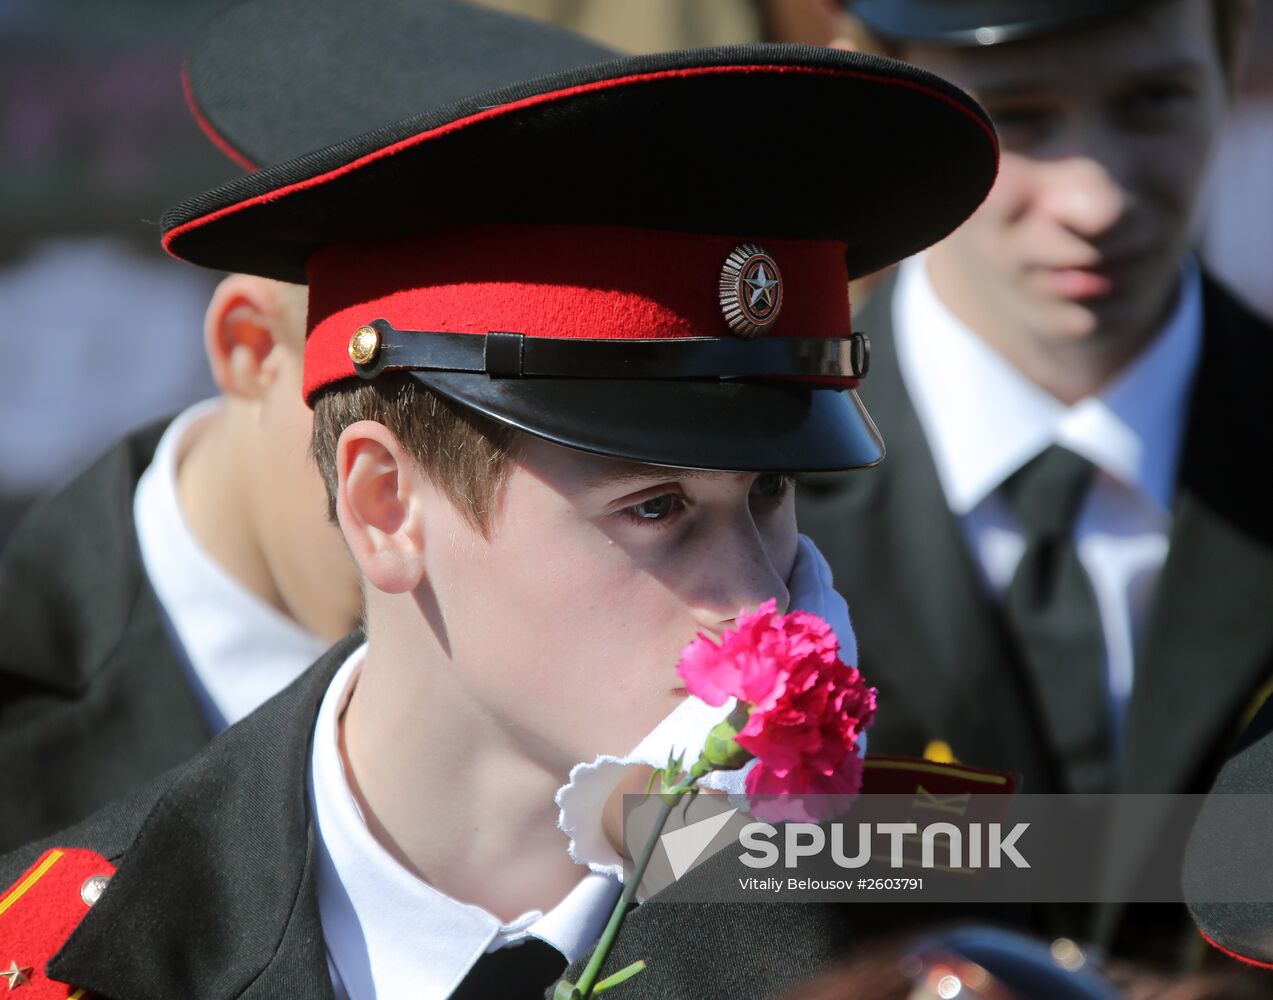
(241, 329)
(379, 506)
(1234, 26)
(809, 22)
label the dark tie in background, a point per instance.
(519, 972)
(1052, 609)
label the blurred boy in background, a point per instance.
(1068, 550)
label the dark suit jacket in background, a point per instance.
(215, 894)
(934, 640)
(94, 700)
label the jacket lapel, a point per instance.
(215, 896)
(74, 563)
(1208, 644)
(87, 661)
(944, 664)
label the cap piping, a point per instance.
(1233, 954)
(207, 128)
(172, 235)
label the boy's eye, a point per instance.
(656, 508)
(771, 486)
(1155, 104)
(1021, 126)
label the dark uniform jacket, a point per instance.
(215, 895)
(94, 699)
(935, 643)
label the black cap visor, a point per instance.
(728, 426)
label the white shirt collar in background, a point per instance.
(984, 419)
(240, 650)
(388, 933)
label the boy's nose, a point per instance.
(1085, 196)
(740, 585)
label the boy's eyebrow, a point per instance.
(995, 91)
(627, 473)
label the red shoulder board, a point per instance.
(37, 915)
(922, 791)
(915, 775)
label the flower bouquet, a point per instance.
(798, 716)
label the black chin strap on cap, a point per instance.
(378, 347)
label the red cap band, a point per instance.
(557, 281)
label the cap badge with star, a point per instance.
(750, 290)
(579, 257)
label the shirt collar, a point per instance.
(388, 933)
(984, 419)
(240, 650)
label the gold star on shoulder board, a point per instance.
(17, 977)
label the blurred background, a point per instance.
(101, 332)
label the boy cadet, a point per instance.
(1072, 523)
(193, 572)
(564, 341)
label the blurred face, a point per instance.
(307, 556)
(1106, 136)
(567, 623)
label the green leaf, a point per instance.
(623, 975)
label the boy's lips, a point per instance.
(681, 692)
(1099, 280)
(1080, 282)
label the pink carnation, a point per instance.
(808, 708)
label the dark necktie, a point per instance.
(1052, 609)
(519, 972)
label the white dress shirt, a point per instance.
(240, 651)
(984, 420)
(391, 935)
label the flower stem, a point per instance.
(667, 800)
(700, 768)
